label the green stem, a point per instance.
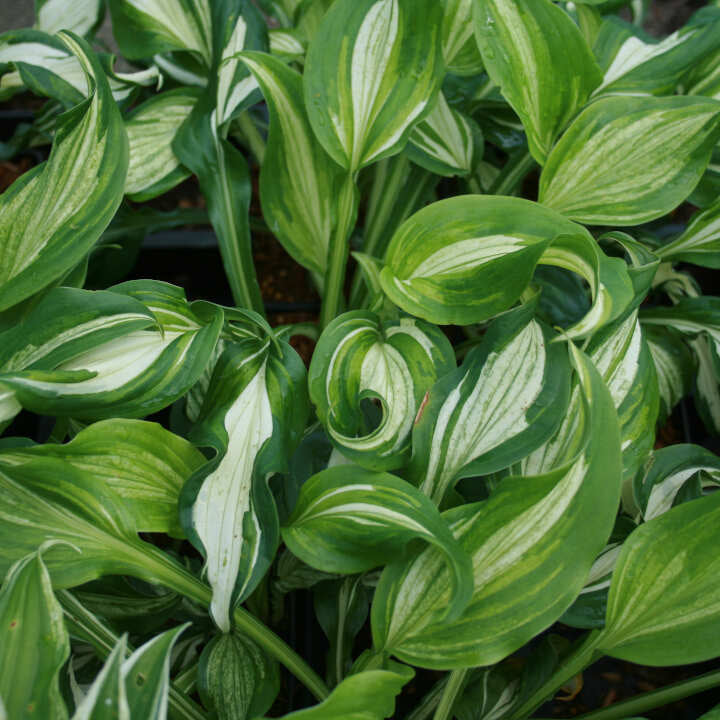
(166, 571)
(252, 136)
(656, 698)
(512, 174)
(88, 627)
(338, 252)
(454, 687)
(584, 654)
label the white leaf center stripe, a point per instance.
(445, 136)
(78, 16)
(315, 210)
(467, 254)
(190, 29)
(224, 498)
(493, 411)
(226, 94)
(116, 362)
(371, 56)
(634, 52)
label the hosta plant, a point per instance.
(510, 210)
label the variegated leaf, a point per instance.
(131, 359)
(42, 63)
(634, 66)
(34, 643)
(670, 471)
(700, 243)
(348, 520)
(445, 141)
(143, 28)
(506, 400)
(628, 160)
(623, 358)
(441, 254)
(609, 278)
(286, 44)
(223, 173)
(140, 461)
(80, 17)
(691, 316)
(146, 676)
(460, 50)
(674, 367)
(154, 169)
(360, 359)
(236, 678)
(664, 603)
(298, 179)
(707, 390)
(253, 414)
(532, 545)
(371, 73)
(51, 216)
(237, 88)
(537, 56)
(106, 698)
(492, 693)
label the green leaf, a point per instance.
(83, 625)
(84, 177)
(492, 693)
(621, 355)
(243, 28)
(440, 256)
(670, 470)
(143, 28)
(341, 608)
(128, 358)
(140, 461)
(224, 179)
(537, 56)
(146, 675)
(609, 278)
(690, 316)
(445, 141)
(106, 698)
(372, 71)
(700, 243)
(532, 545)
(664, 603)
(369, 695)
(460, 50)
(674, 367)
(633, 66)
(348, 520)
(236, 678)
(707, 390)
(43, 500)
(253, 414)
(44, 64)
(297, 179)
(507, 399)
(34, 643)
(358, 359)
(628, 160)
(80, 17)
(154, 169)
